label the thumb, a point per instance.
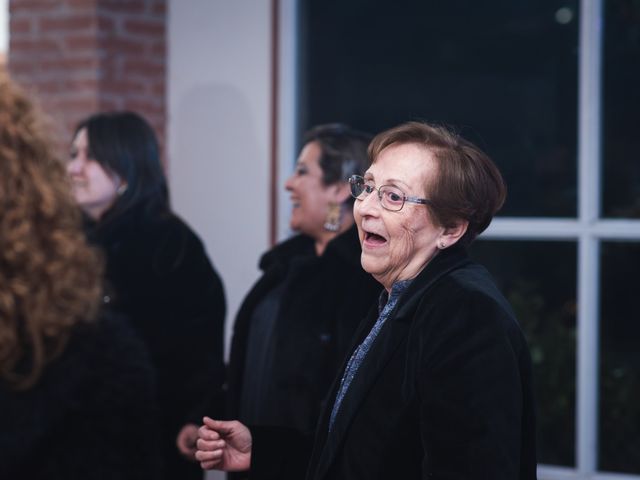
(220, 426)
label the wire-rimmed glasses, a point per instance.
(391, 197)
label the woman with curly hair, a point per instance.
(76, 386)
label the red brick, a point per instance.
(159, 89)
(81, 56)
(145, 107)
(159, 8)
(78, 104)
(19, 67)
(20, 25)
(106, 24)
(80, 42)
(123, 87)
(81, 5)
(32, 6)
(37, 47)
(110, 105)
(122, 6)
(158, 49)
(69, 23)
(144, 67)
(148, 28)
(69, 64)
(115, 45)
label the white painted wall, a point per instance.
(4, 27)
(219, 131)
(218, 136)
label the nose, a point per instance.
(368, 206)
(288, 184)
(74, 165)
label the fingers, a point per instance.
(209, 459)
(220, 426)
(209, 465)
(210, 445)
(186, 440)
(207, 433)
(209, 456)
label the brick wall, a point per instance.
(79, 57)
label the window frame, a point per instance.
(588, 229)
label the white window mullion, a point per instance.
(587, 356)
(589, 156)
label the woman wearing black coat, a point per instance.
(295, 324)
(77, 390)
(157, 270)
(438, 381)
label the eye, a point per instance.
(368, 188)
(393, 196)
(301, 170)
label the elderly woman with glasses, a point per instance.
(438, 382)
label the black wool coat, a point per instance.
(324, 299)
(90, 415)
(158, 275)
(444, 393)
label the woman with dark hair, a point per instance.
(437, 384)
(296, 323)
(76, 385)
(157, 270)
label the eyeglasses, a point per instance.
(391, 198)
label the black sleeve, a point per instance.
(197, 363)
(472, 394)
(279, 453)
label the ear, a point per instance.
(341, 192)
(451, 235)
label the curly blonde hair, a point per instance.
(50, 279)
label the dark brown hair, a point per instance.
(344, 151)
(125, 143)
(49, 276)
(468, 185)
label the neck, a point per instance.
(323, 239)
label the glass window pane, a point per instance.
(620, 358)
(503, 72)
(539, 279)
(621, 109)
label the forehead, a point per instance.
(310, 154)
(410, 163)
(81, 137)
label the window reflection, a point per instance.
(620, 358)
(621, 109)
(503, 72)
(539, 278)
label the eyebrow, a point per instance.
(390, 181)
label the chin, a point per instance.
(369, 264)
